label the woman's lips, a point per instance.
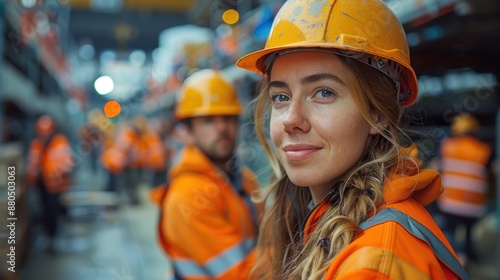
(299, 152)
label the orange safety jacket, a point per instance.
(112, 158)
(124, 151)
(154, 155)
(208, 226)
(463, 165)
(390, 249)
(52, 164)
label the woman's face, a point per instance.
(316, 128)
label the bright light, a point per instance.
(28, 3)
(137, 58)
(107, 57)
(104, 85)
(230, 16)
(86, 52)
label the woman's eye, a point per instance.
(278, 98)
(324, 93)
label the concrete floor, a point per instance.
(100, 243)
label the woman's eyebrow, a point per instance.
(309, 79)
(278, 84)
(321, 76)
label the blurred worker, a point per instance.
(123, 158)
(92, 137)
(464, 177)
(154, 153)
(208, 224)
(160, 151)
(50, 163)
(106, 153)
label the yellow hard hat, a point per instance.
(366, 30)
(464, 123)
(207, 93)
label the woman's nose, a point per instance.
(296, 118)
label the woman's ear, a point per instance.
(380, 125)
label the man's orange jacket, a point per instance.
(387, 250)
(208, 225)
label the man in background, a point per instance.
(50, 164)
(208, 224)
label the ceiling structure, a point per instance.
(460, 34)
(125, 24)
(136, 24)
(121, 27)
(454, 51)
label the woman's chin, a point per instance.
(300, 182)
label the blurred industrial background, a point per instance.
(67, 58)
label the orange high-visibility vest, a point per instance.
(53, 164)
(463, 168)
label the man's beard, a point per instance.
(216, 156)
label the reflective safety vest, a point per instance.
(464, 176)
(51, 163)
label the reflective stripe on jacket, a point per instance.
(208, 228)
(387, 250)
(419, 231)
(463, 165)
(54, 163)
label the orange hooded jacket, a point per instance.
(387, 250)
(208, 226)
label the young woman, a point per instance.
(348, 200)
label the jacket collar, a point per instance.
(424, 186)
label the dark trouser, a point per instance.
(94, 159)
(449, 226)
(51, 209)
(112, 181)
(133, 178)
